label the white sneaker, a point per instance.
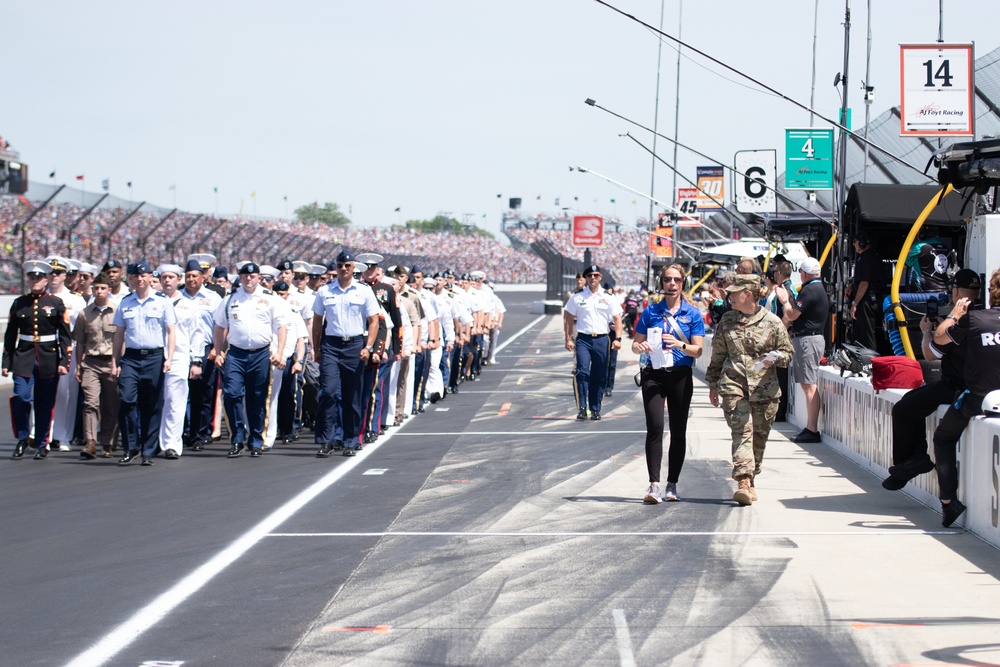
(670, 493)
(65, 447)
(652, 494)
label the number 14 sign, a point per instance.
(936, 90)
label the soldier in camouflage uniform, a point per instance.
(743, 372)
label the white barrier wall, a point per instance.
(856, 421)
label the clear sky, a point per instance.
(433, 106)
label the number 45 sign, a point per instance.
(936, 90)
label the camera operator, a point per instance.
(909, 414)
(978, 331)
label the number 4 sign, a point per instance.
(755, 181)
(936, 90)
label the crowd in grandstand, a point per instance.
(147, 235)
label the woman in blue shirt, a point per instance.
(667, 378)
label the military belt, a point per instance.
(51, 338)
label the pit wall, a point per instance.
(856, 421)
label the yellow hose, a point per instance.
(897, 275)
(826, 250)
(703, 279)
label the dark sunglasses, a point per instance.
(300, 276)
(672, 279)
(57, 272)
(341, 265)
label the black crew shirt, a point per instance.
(979, 332)
(814, 306)
(868, 268)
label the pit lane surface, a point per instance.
(493, 530)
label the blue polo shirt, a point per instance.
(688, 318)
(145, 322)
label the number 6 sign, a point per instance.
(755, 181)
(936, 90)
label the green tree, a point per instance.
(329, 214)
(443, 223)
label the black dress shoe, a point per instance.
(41, 454)
(256, 453)
(147, 461)
(435, 397)
(338, 445)
(171, 454)
(20, 448)
(349, 452)
(198, 446)
(607, 393)
(595, 415)
(236, 450)
(581, 415)
(325, 451)
(129, 457)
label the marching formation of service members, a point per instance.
(138, 362)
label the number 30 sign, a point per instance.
(937, 90)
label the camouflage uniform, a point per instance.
(749, 398)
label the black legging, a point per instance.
(676, 387)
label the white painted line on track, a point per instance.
(624, 638)
(119, 638)
(520, 333)
(146, 618)
(902, 532)
(541, 433)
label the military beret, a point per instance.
(249, 268)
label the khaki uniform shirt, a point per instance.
(95, 332)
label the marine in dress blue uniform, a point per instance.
(594, 311)
(246, 320)
(36, 350)
(143, 351)
(343, 337)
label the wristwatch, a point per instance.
(371, 349)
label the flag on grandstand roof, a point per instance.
(80, 177)
(216, 189)
(129, 184)
(105, 184)
(52, 175)
(172, 187)
(397, 210)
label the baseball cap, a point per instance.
(966, 279)
(810, 266)
(744, 281)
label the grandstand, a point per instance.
(93, 227)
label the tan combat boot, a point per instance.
(744, 494)
(753, 490)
